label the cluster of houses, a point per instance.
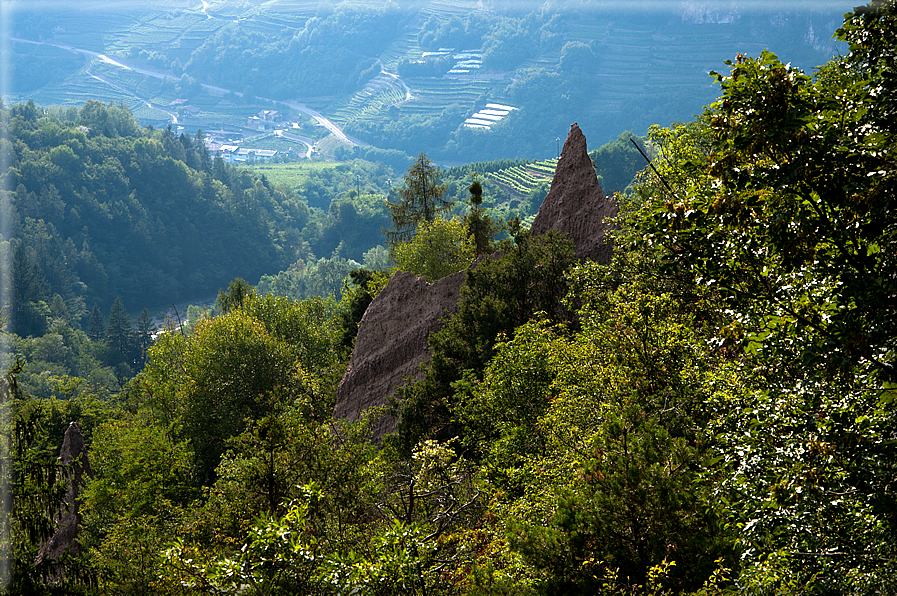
(266, 120)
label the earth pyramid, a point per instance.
(576, 205)
(392, 337)
(75, 467)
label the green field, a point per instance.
(290, 175)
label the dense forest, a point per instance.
(106, 207)
(711, 412)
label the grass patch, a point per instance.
(292, 175)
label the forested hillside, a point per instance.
(102, 207)
(406, 76)
(712, 411)
(108, 219)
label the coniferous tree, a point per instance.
(96, 325)
(118, 328)
(479, 224)
(422, 199)
(59, 310)
(145, 330)
(27, 293)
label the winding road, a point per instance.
(408, 95)
(303, 140)
(320, 118)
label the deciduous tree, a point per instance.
(439, 248)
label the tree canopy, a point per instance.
(711, 412)
(422, 199)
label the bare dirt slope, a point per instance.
(392, 343)
(576, 205)
(392, 336)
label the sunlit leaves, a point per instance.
(439, 248)
(269, 351)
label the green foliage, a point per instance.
(421, 200)
(31, 435)
(712, 412)
(499, 295)
(595, 437)
(279, 557)
(238, 293)
(481, 227)
(237, 365)
(96, 325)
(132, 505)
(103, 207)
(33, 479)
(618, 162)
(324, 538)
(439, 248)
(776, 222)
(323, 278)
(328, 55)
(359, 291)
(781, 206)
(287, 482)
(500, 415)
(119, 332)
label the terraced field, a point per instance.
(648, 67)
(293, 12)
(378, 96)
(77, 90)
(635, 63)
(451, 7)
(404, 47)
(524, 178)
(431, 96)
(179, 31)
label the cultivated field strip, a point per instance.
(522, 179)
(634, 63)
(451, 7)
(405, 47)
(377, 97)
(431, 96)
(79, 89)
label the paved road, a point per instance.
(297, 138)
(333, 128)
(320, 118)
(408, 95)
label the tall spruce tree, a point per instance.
(96, 324)
(119, 331)
(479, 224)
(422, 199)
(28, 291)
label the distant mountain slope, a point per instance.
(408, 75)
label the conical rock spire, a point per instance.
(576, 205)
